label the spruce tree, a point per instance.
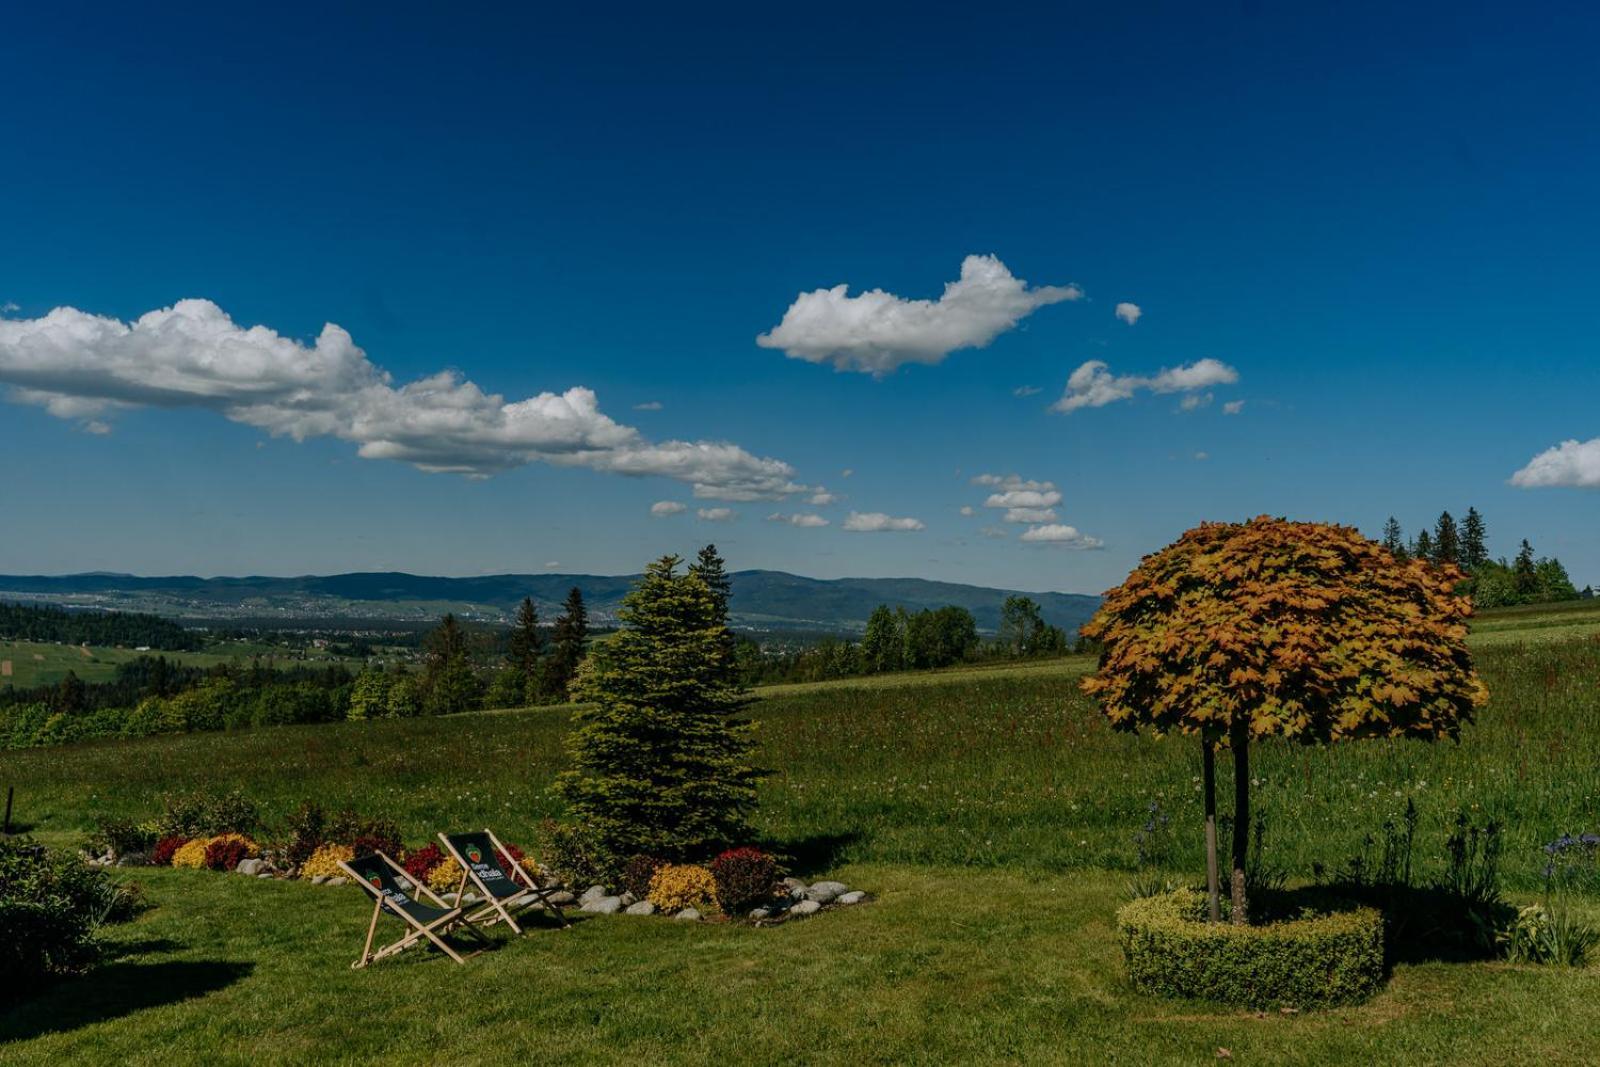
(1394, 539)
(1524, 574)
(1474, 540)
(1422, 547)
(526, 645)
(449, 683)
(709, 566)
(1446, 540)
(570, 636)
(661, 764)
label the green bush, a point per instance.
(1321, 950)
(204, 814)
(50, 906)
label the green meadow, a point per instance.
(991, 812)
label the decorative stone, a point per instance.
(797, 892)
(594, 892)
(760, 913)
(604, 905)
(641, 907)
(805, 907)
(561, 898)
(688, 915)
(826, 892)
(450, 898)
(133, 859)
(335, 881)
(263, 875)
(319, 879)
(628, 900)
(250, 867)
(855, 896)
(471, 898)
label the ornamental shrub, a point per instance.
(307, 830)
(423, 860)
(225, 851)
(50, 906)
(191, 854)
(578, 855)
(745, 879)
(1323, 951)
(324, 862)
(205, 814)
(445, 876)
(165, 848)
(365, 835)
(637, 872)
(676, 886)
(121, 837)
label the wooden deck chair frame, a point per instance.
(532, 891)
(417, 931)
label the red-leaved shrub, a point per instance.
(637, 872)
(162, 856)
(423, 860)
(225, 853)
(510, 858)
(746, 878)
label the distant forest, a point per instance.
(1492, 583)
(24, 622)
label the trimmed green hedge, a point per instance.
(1325, 951)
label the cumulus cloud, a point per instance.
(8, 307)
(798, 519)
(1057, 534)
(1571, 464)
(1093, 385)
(875, 332)
(663, 508)
(967, 510)
(552, 563)
(1129, 313)
(993, 531)
(192, 355)
(847, 472)
(821, 498)
(878, 522)
(1026, 390)
(1233, 407)
(648, 405)
(1023, 500)
(716, 514)
(1195, 401)
(1027, 515)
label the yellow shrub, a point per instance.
(251, 849)
(676, 886)
(325, 861)
(192, 854)
(445, 876)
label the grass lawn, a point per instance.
(990, 810)
(946, 966)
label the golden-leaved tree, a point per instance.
(1270, 628)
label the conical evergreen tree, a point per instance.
(661, 766)
(448, 682)
(1474, 540)
(1393, 539)
(1422, 547)
(711, 569)
(570, 636)
(526, 645)
(1446, 540)
(1524, 574)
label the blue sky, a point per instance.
(1381, 227)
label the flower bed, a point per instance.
(1324, 951)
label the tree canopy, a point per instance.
(1300, 630)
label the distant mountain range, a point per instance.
(762, 600)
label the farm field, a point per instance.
(991, 811)
(42, 663)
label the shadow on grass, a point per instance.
(115, 990)
(1432, 924)
(815, 854)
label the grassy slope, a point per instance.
(985, 807)
(40, 663)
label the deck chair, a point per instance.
(379, 876)
(505, 892)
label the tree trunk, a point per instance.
(1208, 751)
(1240, 743)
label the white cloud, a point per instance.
(1093, 385)
(1233, 407)
(876, 332)
(716, 514)
(847, 472)
(798, 519)
(1026, 390)
(1195, 401)
(1129, 313)
(553, 563)
(1202, 456)
(8, 307)
(663, 508)
(86, 367)
(1027, 515)
(648, 405)
(821, 498)
(1023, 500)
(1056, 534)
(1571, 464)
(878, 522)
(968, 510)
(993, 531)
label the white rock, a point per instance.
(688, 915)
(594, 892)
(760, 913)
(319, 879)
(629, 900)
(855, 896)
(642, 907)
(335, 881)
(250, 867)
(604, 905)
(805, 907)
(826, 892)
(561, 898)
(263, 875)
(449, 898)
